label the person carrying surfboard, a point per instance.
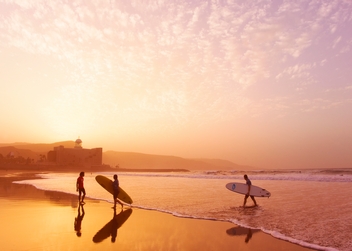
(249, 184)
(80, 188)
(116, 188)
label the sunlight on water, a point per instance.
(303, 211)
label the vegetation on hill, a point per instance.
(30, 154)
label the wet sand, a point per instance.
(33, 219)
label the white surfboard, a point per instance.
(243, 189)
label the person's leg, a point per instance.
(245, 200)
(255, 203)
(118, 199)
(83, 194)
(119, 202)
(115, 199)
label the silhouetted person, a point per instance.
(78, 220)
(249, 184)
(80, 188)
(116, 188)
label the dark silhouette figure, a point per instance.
(78, 220)
(249, 184)
(116, 188)
(80, 188)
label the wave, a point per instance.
(331, 175)
(299, 242)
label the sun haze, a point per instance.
(261, 83)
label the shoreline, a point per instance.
(58, 169)
(51, 216)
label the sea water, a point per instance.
(312, 208)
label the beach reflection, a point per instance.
(78, 220)
(110, 229)
(12, 190)
(242, 231)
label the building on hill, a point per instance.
(77, 156)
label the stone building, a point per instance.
(76, 156)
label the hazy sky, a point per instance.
(261, 83)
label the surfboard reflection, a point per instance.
(110, 229)
(242, 231)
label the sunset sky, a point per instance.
(260, 83)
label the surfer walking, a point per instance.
(116, 188)
(249, 184)
(80, 188)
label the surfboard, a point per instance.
(107, 184)
(243, 189)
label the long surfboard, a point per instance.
(107, 184)
(243, 189)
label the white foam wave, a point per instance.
(239, 223)
(334, 175)
(289, 177)
(299, 242)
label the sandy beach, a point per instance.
(33, 219)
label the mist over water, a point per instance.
(307, 207)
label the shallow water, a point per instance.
(311, 208)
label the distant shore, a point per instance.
(103, 168)
(149, 170)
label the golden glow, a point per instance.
(193, 80)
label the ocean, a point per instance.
(312, 208)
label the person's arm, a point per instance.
(249, 189)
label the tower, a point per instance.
(78, 143)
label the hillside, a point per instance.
(15, 152)
(150, 161)
(225, 164)
(129, 160)
(41, 148)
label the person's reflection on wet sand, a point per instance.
(249, 235)
(242, 231)
(78, 220)
(114, 227)
(110, 229)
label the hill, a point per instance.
(150, 161)
(40, 148)
(225, 164)
(125, 160)
(15, 152)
